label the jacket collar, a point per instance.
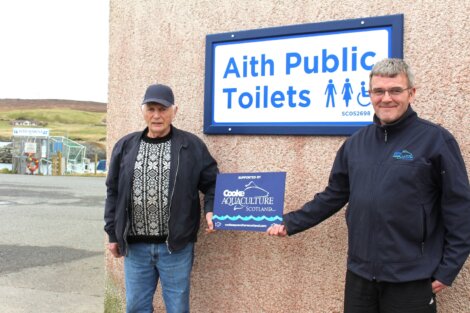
(176, 135)
(409, 117)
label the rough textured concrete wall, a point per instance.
(164, 41)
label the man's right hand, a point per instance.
(113, 247)
(277, 230)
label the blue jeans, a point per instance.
(145, 264)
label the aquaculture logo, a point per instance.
(252, 198)
(403, 155)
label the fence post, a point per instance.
(96, 162)
(59, 156)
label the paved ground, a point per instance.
(51, 244)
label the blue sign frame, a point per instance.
(393, 24)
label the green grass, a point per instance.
(74, 124)
(113, 300)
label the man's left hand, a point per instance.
(210, 223)
(437, 286)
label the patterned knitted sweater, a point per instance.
(150, 208)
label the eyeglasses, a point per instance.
(392, 92)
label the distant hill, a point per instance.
(25, 104)
(81, 121)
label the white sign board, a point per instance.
(304, 79)
(31, 132)
(30, 147)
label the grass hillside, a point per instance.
(75, 124)
(84, 122)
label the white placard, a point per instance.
(31, 132)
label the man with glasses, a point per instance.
(408, 196)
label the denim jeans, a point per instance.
(145, 264)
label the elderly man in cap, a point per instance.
(152, 210)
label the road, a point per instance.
(51, 244)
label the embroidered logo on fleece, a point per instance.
(403, 155)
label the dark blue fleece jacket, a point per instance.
(408, 215)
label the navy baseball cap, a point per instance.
(159, 94)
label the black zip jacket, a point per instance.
(408, 215)
(192, 170)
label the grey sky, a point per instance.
(54, 49)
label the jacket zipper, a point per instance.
(424, 231)
(171, 199)
(373, 235)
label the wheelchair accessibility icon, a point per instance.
(363, 98)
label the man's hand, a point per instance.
(113, 247)
(210, 223)
(277, 230)
(437, 286)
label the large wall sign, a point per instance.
(300, 79)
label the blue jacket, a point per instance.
(408, 215)
(192, 170)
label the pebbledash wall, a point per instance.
(164, 41)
